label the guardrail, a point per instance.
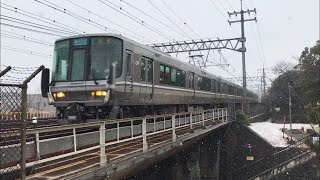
(76, 139)
(30, 115)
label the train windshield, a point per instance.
(105, 51)
(86, 58)
(60, 61)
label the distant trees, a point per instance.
(278, 94)
(310, 74)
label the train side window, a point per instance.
(214, 85)
(218, 87)
(143, 69)
(162, 67)
(150, 71)
(173, 76)
(183, 79)
(199, 82)
(222, 88)
(191, 80)
(167, 75)
(129, 65)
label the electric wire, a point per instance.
(152, 18)
(24, 39)
(40, 18)
(102, 17)
(134, 18)
(257, 44)
(260, 39)
(32, 24)
(180, 18)
(26, 51)
(80, 18)
(29, 29)
(230, 5)
(216, 6)
(169, 19)
(222, 5)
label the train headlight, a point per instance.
(99, 93)
(59, 95)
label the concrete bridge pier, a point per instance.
(193, 163)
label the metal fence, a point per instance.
(267, 164)
(13, 98)
(17, 115)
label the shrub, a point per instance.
(242, 118)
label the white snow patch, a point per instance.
(272, 131)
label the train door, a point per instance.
(146, 69)
(128, 89)
(191, 86)
(149, 79)
(77, 69)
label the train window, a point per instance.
(167, 75)
(239, 92)
(129, 65)
(143, 69)
(150, 71)
(218, 87)
(204, 83)
(231, 90)
(78, 59)
(105, 51)
(191, 80)
(173, 76)
(199, 82)
(222, 88)
(60, 61)
(214, 85)
(161, 74)
(181, 79)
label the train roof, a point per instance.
(150, 49)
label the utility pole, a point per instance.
(242, 12)
(264, 82)
(290, 103)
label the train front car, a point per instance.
(83, 76)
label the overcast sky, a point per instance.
(284, 28)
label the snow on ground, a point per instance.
(272, 131)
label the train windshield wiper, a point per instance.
(93, 72)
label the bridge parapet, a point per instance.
(105, 141)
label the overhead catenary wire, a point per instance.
(258, 46)
(225, 17)
(106, 19)
(134, 18)
(35, 53)
(40, 18)
(230, 5)
(180, 18)
(169, 19)
(30, 29)
(36, 25)
(25, 37)
(81, 18)
(222, 6)
(155, 19)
